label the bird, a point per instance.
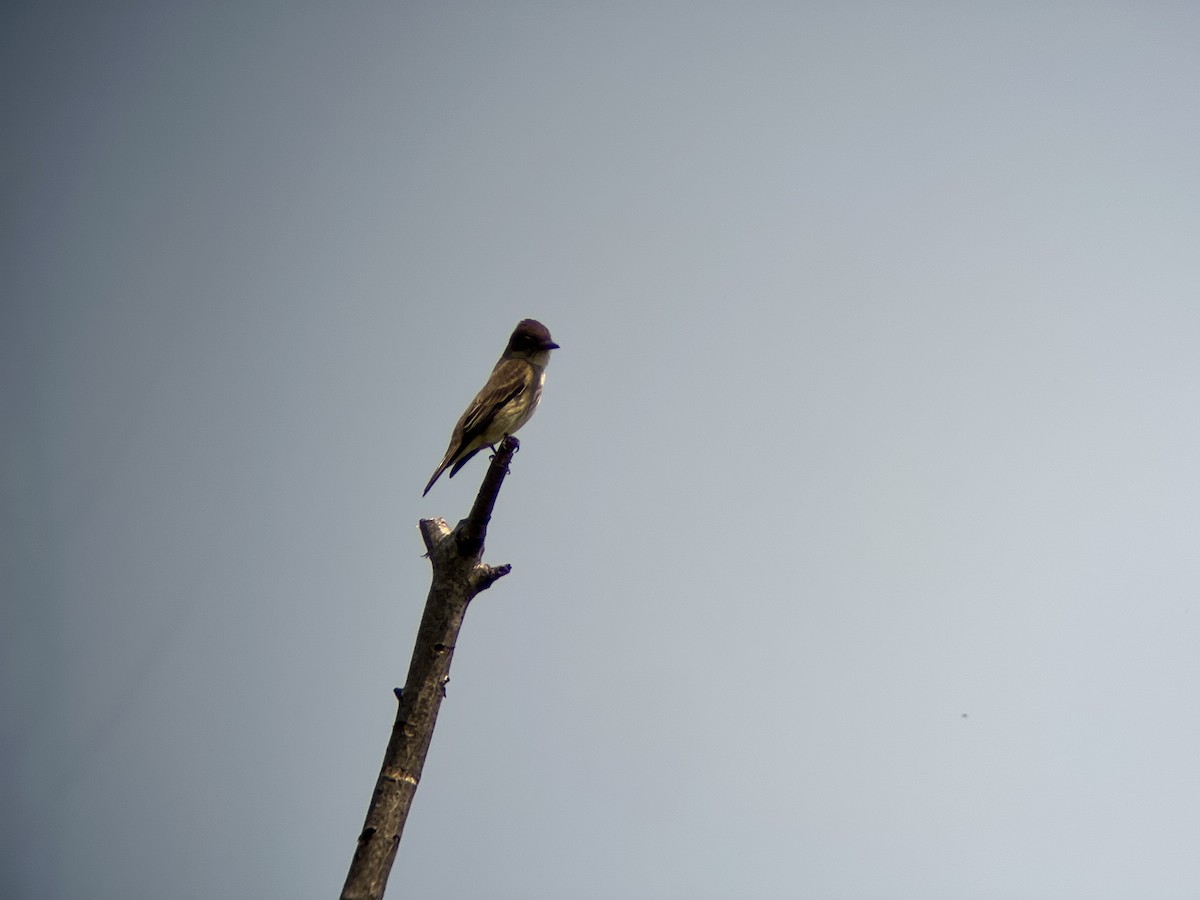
(506, 402)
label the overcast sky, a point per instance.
(855, 544)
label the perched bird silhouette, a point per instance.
(507, 400)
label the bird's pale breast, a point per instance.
(516, 412)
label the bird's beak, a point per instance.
(550, 345)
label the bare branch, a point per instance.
(473, 530)
(458, 575)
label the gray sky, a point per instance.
(855, 541)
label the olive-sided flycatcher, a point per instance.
(506, 401)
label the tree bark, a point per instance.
(458, 575)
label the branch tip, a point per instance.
(486, 576)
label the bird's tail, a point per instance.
(436, 474)
(459, 462)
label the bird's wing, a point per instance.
(509, 379)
